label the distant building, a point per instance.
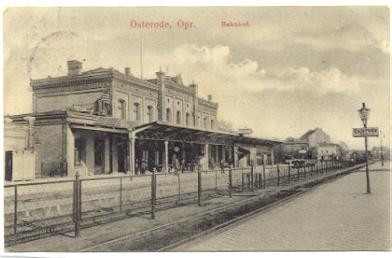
(315, 136)
(377, 151)
(314, 144)
(327, 151)
(295, 148)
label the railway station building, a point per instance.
(103, 121)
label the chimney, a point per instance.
(160, 74)
(127, 70)
(74, 67)
(193, 85)
(209, 97)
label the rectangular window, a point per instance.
(123, 109)
(136, 111)
(150, 114)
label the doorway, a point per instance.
(121, 157)
(8, 165)
(99, 159)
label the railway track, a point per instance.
(168, 236)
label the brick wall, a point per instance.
(51, 139)
(44, 103)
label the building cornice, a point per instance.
(207, 103)
(176, 87)
(65, 81)
(131, 79)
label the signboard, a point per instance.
(245, 131)
(362, 132)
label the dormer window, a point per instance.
(103, 105)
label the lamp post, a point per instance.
(381, 149)
(364, 115)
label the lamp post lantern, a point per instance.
(364, 115)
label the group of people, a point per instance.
(181, 167)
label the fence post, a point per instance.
(320, 167)
(298, 175)
(251, 178)
(230, 181)
(121, 186)
(153, 194)
(216, 180)
(242, 180)
(179, 187)
(305, 172)
(77, 204)
(199, 189)
(278, 172)
(289, 174)
(15, 209)
(263, 176)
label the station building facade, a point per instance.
(103, 121)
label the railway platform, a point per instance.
(105, 237)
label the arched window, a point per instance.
(198, 121)
(136, 111)
(187, 119)
(168, 115)
(150, 114)
(123, 109)
(212, 124)
(178, 117)
(205, 122)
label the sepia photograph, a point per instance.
(196, 129)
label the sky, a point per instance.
(292, 69)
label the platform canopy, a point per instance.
(256, 141)
(164, 131)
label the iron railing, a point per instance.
(34, 209)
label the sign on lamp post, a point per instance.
(368, 132)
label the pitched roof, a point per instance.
(311, 131)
